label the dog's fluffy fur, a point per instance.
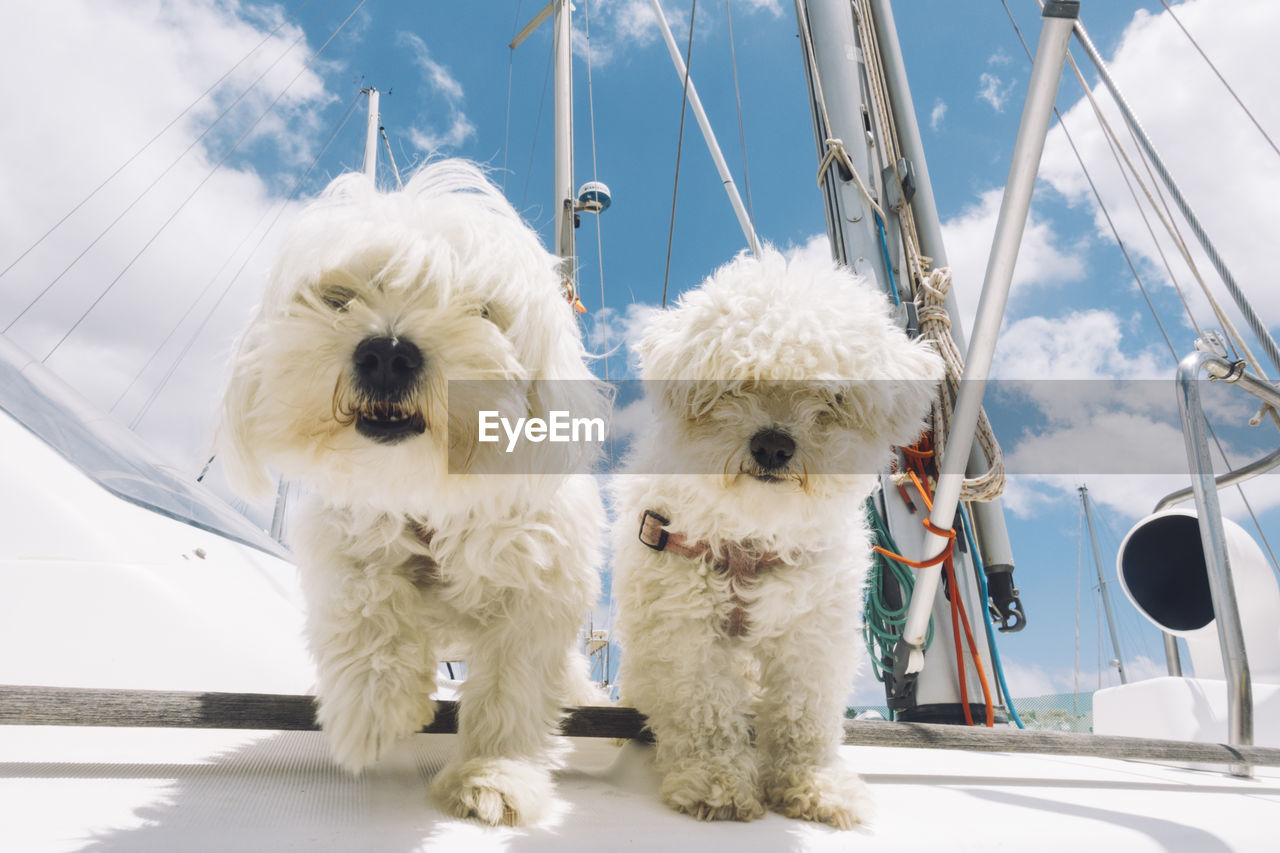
(807, 350)
(401, 556)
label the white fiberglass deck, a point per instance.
(79, 789)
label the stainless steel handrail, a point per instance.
(1235, 661)
(1239, 475)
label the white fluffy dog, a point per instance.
(777, 390)
(376, 303)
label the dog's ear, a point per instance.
(663, 361)
(906, 386)
(236, 443)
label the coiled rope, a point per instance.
(882, 622)
(935, 325)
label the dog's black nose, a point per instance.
(772, 449)
(387, 365)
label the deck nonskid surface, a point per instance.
(101, 789)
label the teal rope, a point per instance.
(986, 618)
(882, 625)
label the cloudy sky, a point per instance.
(155, 150)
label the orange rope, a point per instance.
(916, 457)
(925, 494)
(921, 564)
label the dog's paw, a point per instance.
(832, 795)
(498, 791)
(359, 733)
(716, 790)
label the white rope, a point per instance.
(931, 286)
(890, 152)
(935, 325)
(835, 150)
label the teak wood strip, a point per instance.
(72, 706)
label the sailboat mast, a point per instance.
(988, 516)
(564, 195)
(1102, 584)
(371, 135)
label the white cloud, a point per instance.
(431, 139)
(994, 90)
(608, 331)
(1082, 345)
(619, 26)
(1033, 680)
(937, 114)
(1101, 408)
(1042, 259)
(1228, 173)
(112, 75)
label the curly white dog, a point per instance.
(376, 303)
(777, 390)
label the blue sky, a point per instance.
(108, 75)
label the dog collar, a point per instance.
(738, 562)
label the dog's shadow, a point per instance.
(283, 792)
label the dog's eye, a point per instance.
(337, 298)
(491, 314)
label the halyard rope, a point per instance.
(935, 325)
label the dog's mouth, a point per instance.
(389, 423)
(765, 477)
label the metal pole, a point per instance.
(695, 103)
(1036, 113)
(988, 516)
(278, 514)
(371, 136)
(1102, 585)
(1235, 662)
(1255, 323)
(563, 59)
(1172, 660)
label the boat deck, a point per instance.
(105, 789)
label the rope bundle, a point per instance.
(935, 325)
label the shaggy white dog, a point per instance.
(412, 540)
(777, 390)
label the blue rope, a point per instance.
(888, 265)
(986, 618)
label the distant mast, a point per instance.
(1102, 583)
(371, 136)
(564, 197)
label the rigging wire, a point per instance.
(1215, 70)
(591, 118)
(680, 147)
(189, 107)
(1169, 223)
(1113, 143)
(198, 186)
(391, 158)
(980, 573)
(533, 147)
(1115, 232)
(138, 198)
(506, 132)
(346, 117)
(173, 368)
(1075, 677)
(675, 187)
(742, 134)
